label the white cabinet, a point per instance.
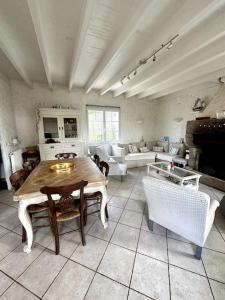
(59, 132)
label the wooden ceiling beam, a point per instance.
(85, 16)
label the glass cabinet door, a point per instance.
(70, 127)
(50, 125)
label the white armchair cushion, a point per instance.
(184, 211)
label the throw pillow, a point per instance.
(132, 149)
(144, 149)
(173, 150)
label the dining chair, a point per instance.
(96, 160)
(29, 166)
(96, 197)
(66, 208)
(65, 155)
(17, 179)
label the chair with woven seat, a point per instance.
(65, 155)
(66, 208)
(96, 197)
(17, 179)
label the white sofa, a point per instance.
(184, 211)
(141, 159)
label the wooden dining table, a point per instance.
(29, 193)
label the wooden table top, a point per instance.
(85, 169)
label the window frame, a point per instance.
(103, 109)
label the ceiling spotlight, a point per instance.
(169, 46)
(143, 61)
(135, 72)
(154, 58)
(128, 77)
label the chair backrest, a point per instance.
(65, 155)
(65, 192)
(29, 165)
(104, 168)
(96, 159)
(18, 178)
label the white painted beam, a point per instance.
(36, 19)
(200, 69)
(210, 77)
(142, 12)
(85, 16)
(184, 46)
(9, 50)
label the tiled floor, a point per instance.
(126, 261)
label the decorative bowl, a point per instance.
(62, 167)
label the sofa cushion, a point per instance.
(165, 156)
(158, 148)
(173, 150)
(144, 149)
(139, 156)
(132, 148)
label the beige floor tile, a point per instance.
(218, 289)
(97, 230)
(72, 283)
(43, 236)
(133, 295)
(186, 285)
(91, 254)
(42, 272)
(157, 229)
(9, 216)
(220, 221)
(214, 263)
(153, 245)
(5, 282)
(135, 205)
(215, 241)
(8, 243)
(173, 235)
(117, 264)
(126, 236)
(104, 288)
(68, 243)
(123, 192)
(3, 231)
(17, 292)
(150, 277)
(17, 261)
(118, 201)
(114, 213)
(182, 255)
(131, 218)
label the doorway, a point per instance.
(3, 183)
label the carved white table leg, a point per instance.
(26, 222)
(103, 205)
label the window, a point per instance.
(103, 123)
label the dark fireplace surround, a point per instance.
(206, 142)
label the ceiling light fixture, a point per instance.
(168, 45)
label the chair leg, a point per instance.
(24, 235)
(150, 225)
(106, 212)
(85, 217)
(56, 234)
(82, 230)
(198, 252)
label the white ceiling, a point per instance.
(94, 43)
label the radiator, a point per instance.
(16, 160)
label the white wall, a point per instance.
(173, 111)
(7, 123)
(26, 101)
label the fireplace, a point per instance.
(206, 142)
(211, 159)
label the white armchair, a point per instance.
(114, 156)
(184, 211)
